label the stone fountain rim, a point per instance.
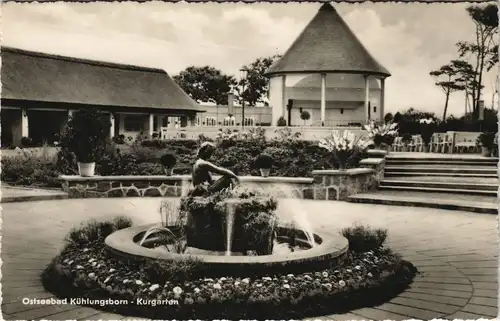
(121, 242)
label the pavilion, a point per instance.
(40, 91)
(329, 73)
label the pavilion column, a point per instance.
(151, 124)
(24, 123)
(112, 128)
(283, 97)
(323, 99)
(382, 98)
(367, 98)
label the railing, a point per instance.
(306, 132)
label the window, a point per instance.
(229, 121)
(342, 111)
(210, 121)
(198, 121)
(374, 109)
(134, 123)
(249, 121)
(155, 122)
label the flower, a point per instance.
(325, 274)
(370, 274)
(236, 283)
(154, 287)
(342, 283)
(217, 286)
(266, 278)
(258, 285)
(246, 280)
(188, 301)
(290, 276)
(222, 279)
(328, 286)
(177, 290)
(125, 281)
(79, 267)
(286, 286)
(111, 270)
(85, 250)
(196, 290)
(92, 275)
(139, 282)
(357, 267)
(107, 280)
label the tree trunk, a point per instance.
(446, 104)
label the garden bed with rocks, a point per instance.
(371, 274)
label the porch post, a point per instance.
(382, 98)
(151, 124)
(367, 98)
(112, 128)
(159, 122)
(24, 123)
(323, 99)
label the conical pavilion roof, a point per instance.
(327, 44)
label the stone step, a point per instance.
(449, 201)
(423, 173)
(441, 190)
(441, 158)
(450, 185)
(442, 169)
(400, 162)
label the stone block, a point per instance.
(308, 193)
(320, 193)
(115, 184)
(171, 191)
(132, 192)
(152, 192)
(115, 192)
(103, 186)
(141, 184)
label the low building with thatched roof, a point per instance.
(329, 73)
(40, 91)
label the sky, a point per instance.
(409, 40)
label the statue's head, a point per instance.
(206, 150)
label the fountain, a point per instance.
(232, 232)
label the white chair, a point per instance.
(397, 144)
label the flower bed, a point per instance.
(84, 269)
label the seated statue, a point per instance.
(202, 179)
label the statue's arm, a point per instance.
(217, 170)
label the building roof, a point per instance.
(35, 76)
(327, 44)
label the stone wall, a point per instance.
(325, 185)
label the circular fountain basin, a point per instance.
(329, 251)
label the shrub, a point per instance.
(305, 116)
(264, 161)
(363, 238)
(281, 122)
(486, 139)
(27, 142)
(168, 160)
(120, 139)
(93, 231)
(86, 134)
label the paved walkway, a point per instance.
(19, 194)
(456, 251)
